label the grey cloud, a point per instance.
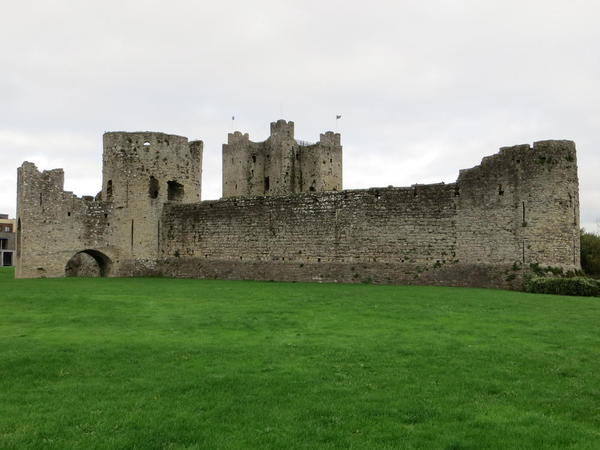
(425, 88)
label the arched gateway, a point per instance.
(88, 263)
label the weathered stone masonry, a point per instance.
(120, 227)
(281, 165)
(519, 207)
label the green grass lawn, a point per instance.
(163, 363)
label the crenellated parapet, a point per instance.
(330, 139)
(282, 129)
(237, 137)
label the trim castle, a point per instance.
(284, 216)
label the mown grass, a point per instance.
(162, 363)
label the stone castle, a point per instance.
(284, 216)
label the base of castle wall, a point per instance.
(459, 275)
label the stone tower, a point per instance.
(281, 165)
(142, 171)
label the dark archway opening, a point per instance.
(88, 263)
(175, 191)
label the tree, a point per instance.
(590, 253)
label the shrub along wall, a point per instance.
(580, 286)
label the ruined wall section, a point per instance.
(521, 207)
(53, 225)
(141, 172)
(281, 165)
(121, 227)
(392, 235)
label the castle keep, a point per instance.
(281, 165)
(284, 216)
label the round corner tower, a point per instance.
(141, 171)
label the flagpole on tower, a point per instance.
(232, 123)
(337, 118)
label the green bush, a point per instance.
(580, 286)
(590, 253)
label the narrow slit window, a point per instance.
(153, 187)
(19, 228)
(109, 190)
(574, 207)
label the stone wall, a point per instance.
(54, 225)
(521, 204)
(469, 233)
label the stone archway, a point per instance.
(88, 263)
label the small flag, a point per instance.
(232, 117)
(338, 117)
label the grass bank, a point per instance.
(162, 363)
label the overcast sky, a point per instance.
(425, 87)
